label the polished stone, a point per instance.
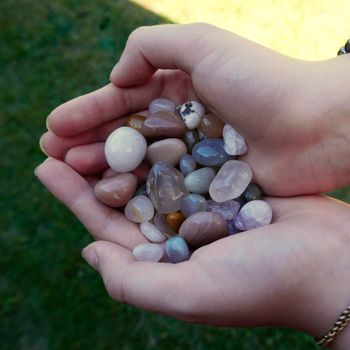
(152, 233)
(228, 209)
(252, 192)
(167, 150)
(253, 214)
(211, 126)
(161, 104)
(139, 209)
(187, 164)
(175, 220)
(192, 204)
(166, 187)
(148, 252)
(234, 142)
(125, 149)
(177, 249)
(210, 152)
(231, 181)
(116, 191)
(163, 226)
(202, 228)
(192, 113)
(136, 121)
(163, 124)
(198, 181)
(191, 138)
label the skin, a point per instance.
(294, 117)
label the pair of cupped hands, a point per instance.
(294, 116)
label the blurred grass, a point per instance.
(52, 51)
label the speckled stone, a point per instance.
(175, 220)
(198, 181)
(211, 126)
(161, 104)
(192, 204)
(253, 214)
(139, 209)
(148, 252)
(152, 233)
(202, 228)
(228, 209)
(192, 113)
(210, 152)
(135, 121)
(166, 188)
(116, 191)
(125, 149)
(231, 180)
(234, 142)
(163, 124)
(187, 164)
(177, 249)
(167, 150)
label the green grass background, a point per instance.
(52, 51)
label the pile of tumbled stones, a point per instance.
(196, 192)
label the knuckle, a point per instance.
(136, 34)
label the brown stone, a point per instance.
(175, 220)
(136, 121)
(202, 228)
(211, 126)
(168, 150)
(116, 191)
(163, 124)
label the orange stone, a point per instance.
(135, 121)
(211, 126)
(175, 220)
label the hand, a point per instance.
(292, 273)
(293, 114)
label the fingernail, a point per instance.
(114, 70)
(36, 171)
(41, 144)
(47, 123)
(90, 256)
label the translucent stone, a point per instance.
(253, 214)
(163, 226)
(228, 209)
(234, 142)
(161, 104)
(142, 190)
(116, 191)
(231, 228)
(167, 150)
(177, 249)
(251, 193)
(135, 121)
(199, 180)
(166, 187)
(152, 233)
(175, 220)
(163, 124)
(210, 152)
(211, 126)
(192, 113)
(202, 228)
(192, 204)
(191, 138)
(125, 148)
(139, 209)
(148, 252)
(231, 180)
(187, 164)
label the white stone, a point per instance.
(151, 232)
(234, 142)
(148, 252)
(231, 181)
(139, 209)
(125, 149)
(192, 113)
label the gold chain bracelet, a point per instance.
(341, 323)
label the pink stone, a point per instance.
(148, 252)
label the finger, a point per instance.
(110, 102)
(158, 287)
(56, 146)
(141, 172)
(78, 196)
(166, 47)
(87, 159)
